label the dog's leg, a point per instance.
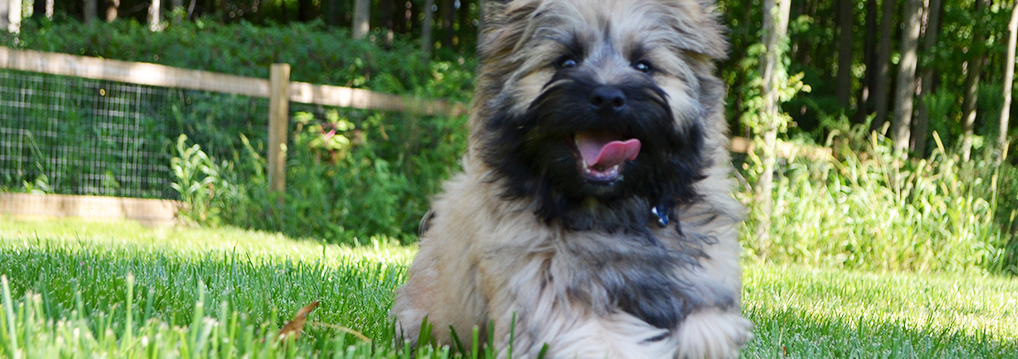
(529, 303)
(441, 289)
(712, 333)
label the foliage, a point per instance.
(200, 183)
(865, 210)
(346, 182)
(119, 290)
(319, 54)
(377, 182)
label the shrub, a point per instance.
(347, 182)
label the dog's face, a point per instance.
(596, 109)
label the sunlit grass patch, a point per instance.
(79, 271)
(223, 293)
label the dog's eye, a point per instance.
(642, 66)
(567, 63)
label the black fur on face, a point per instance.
(534, 155)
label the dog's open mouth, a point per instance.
(602, 155)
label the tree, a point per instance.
(42, 9)
(901, 124)
(1005, 112)
(448, 16)
(5, 12)
(154, 15)
(775, 30)
(88, 10)
(971, 88)
(426, 41)
(846, 21)
(865, 102)
(927, 81)
(331, 12)
(361, 18)
(305, 10)
(177, 10)
(883, 63)
(386, 9)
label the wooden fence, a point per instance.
(278, 89)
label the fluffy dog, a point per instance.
(594, 213)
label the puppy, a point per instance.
(594, 214)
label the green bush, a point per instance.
(347, 182)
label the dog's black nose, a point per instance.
(608, 98)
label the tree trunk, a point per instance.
(14, 16)
(865, 102)
(901, 124)
(414, 17)
(775, 28)
(846, 21)
(880, 87)
(1005, 113)
(190, 10)
(927, 79)
(305, 10)
(426, 26)
(177, 11)
(975, 70)
(361, 18)
(42, 9)
(331, 13)
(465, 21)
(385, 9)
(154, 15)
(88, 11)
(399, 17)
(448, 15)
(5, 13)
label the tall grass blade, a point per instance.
(9, 310)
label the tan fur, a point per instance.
(487, 258)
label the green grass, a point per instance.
(839, 314)
(222, 293)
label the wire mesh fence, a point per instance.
(70, 135)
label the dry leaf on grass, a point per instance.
(296, 325)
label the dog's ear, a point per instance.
(505, 22)
(505, 25)
(698, 27)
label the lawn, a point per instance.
(121, 290)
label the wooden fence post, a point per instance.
(279, 110)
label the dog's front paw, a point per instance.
(712, 333)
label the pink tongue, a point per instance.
(602, 151)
